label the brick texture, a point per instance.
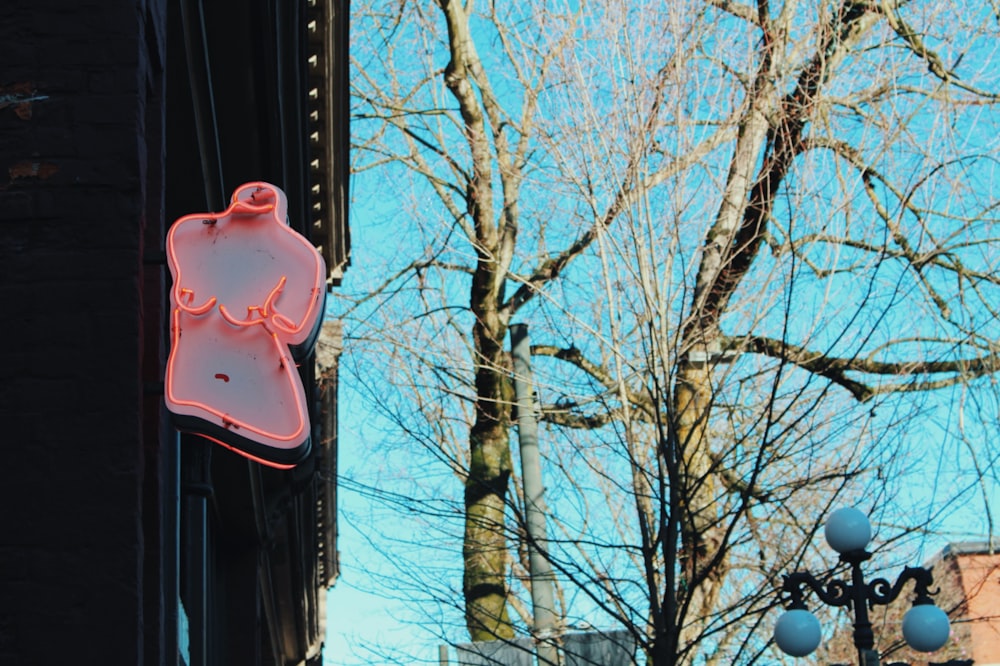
(74, 159)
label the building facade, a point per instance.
(123, 540)
(969, 574)
(966, 586)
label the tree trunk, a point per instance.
(485, 546)
(702, 568)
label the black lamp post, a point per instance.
(797, 632)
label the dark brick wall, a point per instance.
(80, 171)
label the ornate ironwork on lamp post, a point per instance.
(797, 631)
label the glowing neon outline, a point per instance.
(227, 421)
(237, 207)
(245, 454)
(256, 315)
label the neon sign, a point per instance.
(246, 305)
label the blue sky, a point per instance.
(369, 624)
(379, 468)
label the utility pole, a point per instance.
(540, 571)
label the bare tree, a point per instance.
(755, 238)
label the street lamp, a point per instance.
(797, 631)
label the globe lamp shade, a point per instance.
(926, 628)
(797, 632)
(847, 530)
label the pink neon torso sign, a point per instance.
(247, 299)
